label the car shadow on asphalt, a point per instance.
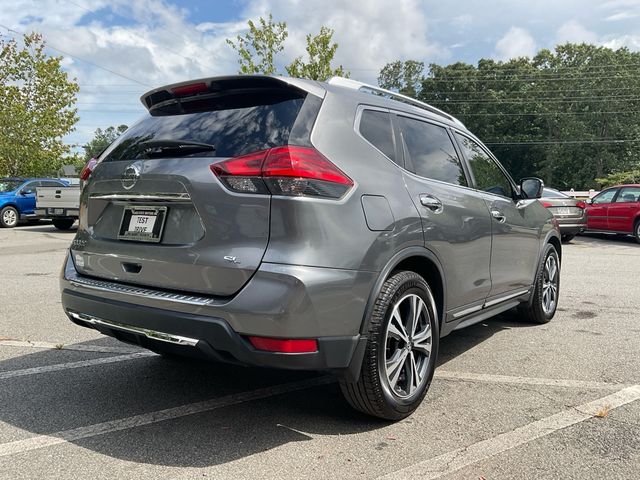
(52, 402)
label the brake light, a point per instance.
(289, 170)
(581, 205)
(191, 89)
(88, 168)
(284, 345)
(546, 204)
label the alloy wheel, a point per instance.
(550, 285)
(9, 217)
(408, 342)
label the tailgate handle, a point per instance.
(131, 267)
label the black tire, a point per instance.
(63, 223)
(9, 217)
(567, 238)
(535, 311)
(372, 393)
(636, 231)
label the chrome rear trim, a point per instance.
(144, 197)
(152, 334)
(104, 286)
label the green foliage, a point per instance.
(320, 51)
(570, 116)
(37, 108)
(620, 178)
(257, 48)
(101, 140)
(404, 77)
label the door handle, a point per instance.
(498, 216)
(431, 202)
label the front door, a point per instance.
(26, 198)
(516, 227)
(455, 219)
(597, 211)
(622, 211)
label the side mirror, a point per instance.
(588, 201)
(531, 187)
(27, 192)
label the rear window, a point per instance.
(232, 127)
(553, 193)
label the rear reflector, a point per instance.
(581, 204)
(283, 345)
(288, 170)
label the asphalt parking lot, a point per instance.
(509, 400)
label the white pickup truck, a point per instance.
(60, 204)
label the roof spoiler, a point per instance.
(216, 86)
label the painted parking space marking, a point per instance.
(71, 365)
(74, 347)
(454, 460)
(43, 441)
(517, 380)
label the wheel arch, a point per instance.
(421, 261)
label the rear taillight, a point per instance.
(88, 168)
(546, 204)
(581, 205)
(289, 170)
(284, 345)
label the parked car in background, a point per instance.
(570, 213)
(59, 204)
(18, 198)
(289, 223)
(616, 209)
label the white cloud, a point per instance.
(616, 17)
(572, 31)
(517, 42)
(632, 42)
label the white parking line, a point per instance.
(75, 347)
(516, 380)
(456, 459)
(42, 441)
(69, 365)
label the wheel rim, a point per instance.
(9, 217)
(550, 285)
(408, 343)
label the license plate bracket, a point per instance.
(142, 224)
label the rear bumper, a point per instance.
(56, 212)
(272, 305)
(572, 226)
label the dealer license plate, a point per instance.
(142, 224)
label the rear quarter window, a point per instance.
(376, 128)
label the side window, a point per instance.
(51, 183)
(489, 177)
(431, 152)
(628, 195)
(376, 127)
(30, 188)
(604, 197)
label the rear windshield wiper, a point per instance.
(166, 148)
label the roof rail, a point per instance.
(366, 88)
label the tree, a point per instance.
(101, 140)
(37, 108)
(405, 77)
(258, 47)
(320, 53)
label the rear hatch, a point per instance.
(153, 212)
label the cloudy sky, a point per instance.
(118, 49)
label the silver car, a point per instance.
(570, 212)
(302, 225)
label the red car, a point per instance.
(616, 209)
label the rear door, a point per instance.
(623, 210)
(516, 228)
(157, 215)
(455, 219)
(598, 210)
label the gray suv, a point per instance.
(294, 224)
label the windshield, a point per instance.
(9, 185)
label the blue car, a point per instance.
(18, 198)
